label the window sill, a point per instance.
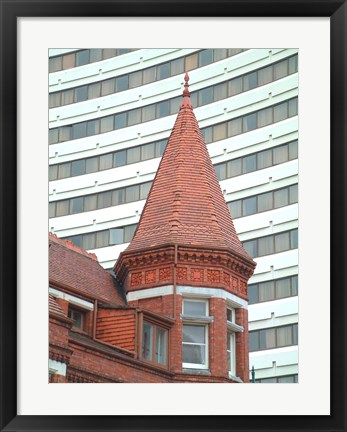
(235, 378)
(196, 371)
(234, 327)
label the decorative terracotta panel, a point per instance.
(226, 278)
(235, 282)
(165, 274)
(243, 287)
(196, 274)
(213, 276)
(181, 273)
(136, 279)
(150, 276)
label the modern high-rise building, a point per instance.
(111, 114)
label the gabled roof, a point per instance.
(74, 267)
(185, 204)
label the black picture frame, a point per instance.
(10, 10)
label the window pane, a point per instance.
(220, 54)
(264, 117)
(147, 341)
(51, 210)
(160, 148)
(120, 120)
(234, 168)
(163, 71)
(108, 87)
(191, 62)
(53, 136)
(135, 79)
(161, 345)
(220, 91)
(132, 193)
(193, 354)
(267, 338)
(177, 66)
(104, 199)
(118, 196)
(94, 90)
(78, 167)
(293, 64)
(82, 57)
(122, 83)
(148, 113)
(250, 81)
(293, 150)
(92, 165)
(207, 134)
(53, 172)
(205, 96)
(64, 170)
(149, 75)
(67, 97)
(249, 164)
(116, 236)
(280, 69)
(264, 159)
(101, 239)
(295, 334)
(265, 202)
(88, 241)
(148, 151)
(281, 242)
(90, 202)
(194, 308)
(249, 206)
(106, 161)
(205, 57)
(133, 155)
(253, 340)
(235, 209)
(284, 336)
(76, 205)
(283, 288)
(249, 122)
(95, 54)
(93, 127)
(106, 124)
(280, 112)
(194, 99)
(286, 379)
(62, 208)
(119, 158)
(294, 239)
(175, 105)
(144, 190)
(134, 117)
(163, 109)
(69, 61)
(219, 131)
(221, 171)
(193, 333)
(281, 198)
(293, 107)
(280, 154)
(81, 93)
(108, 53)
(251, 248)
(294, 285)
(253, 293)
(235, 86)
(79, 130)
(77, 240)
(264, 75)
(55, 64)
(266, 291)
(129, 232)
(54, 99)
(265, 246)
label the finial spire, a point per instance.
(186, 85)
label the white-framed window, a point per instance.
(231, 352)
(154, 343)
(195, 315)
(231, 315)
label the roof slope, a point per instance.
(55, 308)
(81, 271)
(185, 204)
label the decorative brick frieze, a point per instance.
(165, 274)
(136, 279)
(182, 274)
(213, 276)
(197, 274)
(150, 277)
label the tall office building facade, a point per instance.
(111, 113)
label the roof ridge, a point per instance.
(72, 246)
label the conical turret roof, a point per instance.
(185, 204)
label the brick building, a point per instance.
(175, 309)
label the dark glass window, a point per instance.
(205, 96)
(81, 93)
(120, 158)
(163, 109)
(122, 83)
(78, 167)
(79, 130)
(82, 57)
(249, 164)
(120, 120)
(163, 71)
(205, 57)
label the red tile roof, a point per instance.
(185, 204)
(74, 267)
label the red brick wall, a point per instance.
(218, 338)
(242, 358)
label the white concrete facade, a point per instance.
(268, 363)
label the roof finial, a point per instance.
(186, 85)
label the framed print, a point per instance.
(193, 157)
